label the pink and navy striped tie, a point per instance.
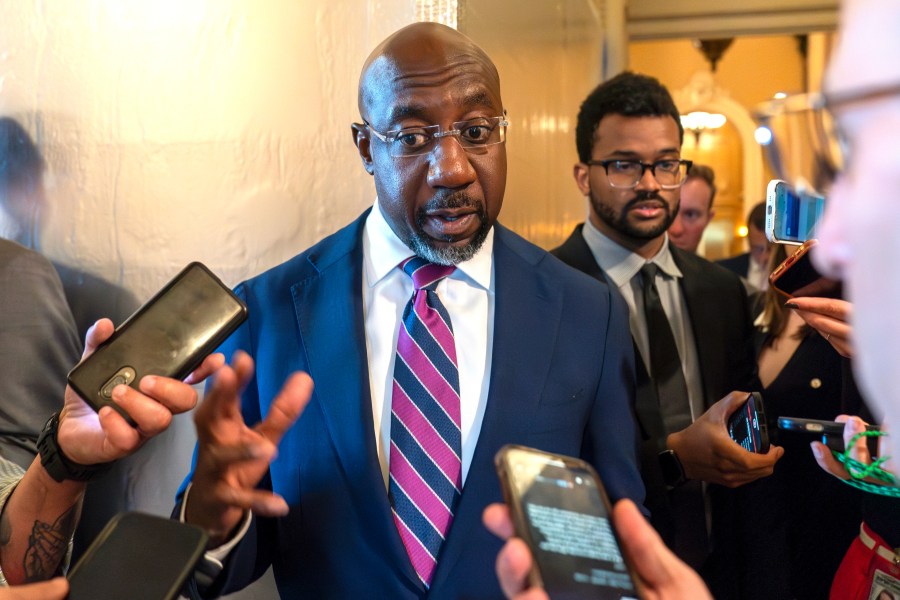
(425, 466)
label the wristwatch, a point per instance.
(55, 462)
(672, 470)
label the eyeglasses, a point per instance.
(627, 174)
(474, 135)
(801, 138)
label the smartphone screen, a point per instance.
(791, 217)
(560, 509)
(747, 425)
(169, 335)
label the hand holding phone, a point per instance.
(170, 335)
(560, 509)
(747, 425)
(831, 432)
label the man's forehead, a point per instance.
(419, 59)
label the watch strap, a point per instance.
(55, 462)
(672, 469)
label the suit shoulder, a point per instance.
(712, 272)
(309, 263)
(547, 264)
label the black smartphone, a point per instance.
(831, 432)
(748, 427)
(560, 509)
(791, 217)
(796, 276)
(169, 335)
(139, 557)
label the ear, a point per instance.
(712, 214)
(363, 145)
(582, 174)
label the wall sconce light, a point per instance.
(697, 122)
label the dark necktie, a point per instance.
(425, 466)
(665, 363)
(690, 539)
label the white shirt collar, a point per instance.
(387, 251)
(621, 264)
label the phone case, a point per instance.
(796, 276)
(752, 411)
(169, 335)
(139, 557)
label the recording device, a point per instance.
(831, 432)
(791, 217)
(139, 557)
(169, 335)
(798, 277)
(561, 511)
(747, 425)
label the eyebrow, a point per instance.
(476, 98)
(633, 154)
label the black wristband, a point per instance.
(672, 469)
(55, 462)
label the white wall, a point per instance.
(181, 130)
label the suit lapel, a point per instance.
(329, 310)
(701, 307)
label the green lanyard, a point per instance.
(859, 471)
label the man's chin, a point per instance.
(447, 253)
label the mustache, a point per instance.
(644, 197)
(448, 199)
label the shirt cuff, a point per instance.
(216, 556)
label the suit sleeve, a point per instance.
(611, 440)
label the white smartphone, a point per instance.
(791, 217)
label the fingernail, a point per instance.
(118, 392)
(816, 450)
(149, 381)
(790, 305)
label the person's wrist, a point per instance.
(55, 462)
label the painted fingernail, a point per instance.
(816, 450)
(790, 305)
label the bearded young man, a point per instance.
(528, 352)
(689, 319)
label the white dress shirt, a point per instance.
(468, 295)
(623, 267)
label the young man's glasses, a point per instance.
(627, 174)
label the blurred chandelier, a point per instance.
(697, 122)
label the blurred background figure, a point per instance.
(696, 208)
(21, 192)
(753, 265)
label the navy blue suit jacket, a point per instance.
(562, 379)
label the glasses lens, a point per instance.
(670, 173)
(801, 142)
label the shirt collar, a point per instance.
(386, 251)
(621, 264)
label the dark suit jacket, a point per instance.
(719, 311)
(739, 265)
(561, 380)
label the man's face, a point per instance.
(693, 216)
(760, 248)
(441, 204)
(634, 218)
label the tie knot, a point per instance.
(425, 275)
(648, 274)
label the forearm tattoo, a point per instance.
(48, 544)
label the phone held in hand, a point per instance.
(139, 557)
(747, 425)
(169, 335)
(830, 432)
(796, 276)
(792, 217)
(560, 509)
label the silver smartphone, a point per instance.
(792, 217)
